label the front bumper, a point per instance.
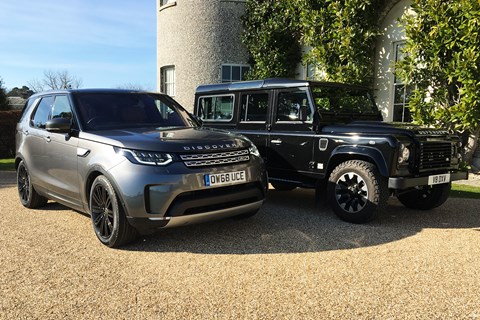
(174, 195)
(410, 182)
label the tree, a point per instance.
(340, 35)
(442, 63)
(23, 92)
(55, 80)
(272, 38)
(4, 104)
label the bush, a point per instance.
(8, 123)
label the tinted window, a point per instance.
(343, 100)
(99, 111)
(40, 117)
(216, 108)
(254, 107)
(289, 105)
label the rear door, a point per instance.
(254, 119)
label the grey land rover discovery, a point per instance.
(135, 161)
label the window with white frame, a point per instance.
(167, 80)
(234, 72)
(401, 91)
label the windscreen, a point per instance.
(340, 100)
(103, 111)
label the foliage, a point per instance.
(23, 92)
(442, 61)
(271, 36)
(4, 105)
(340, 33)
(8, 123)
(55, 80)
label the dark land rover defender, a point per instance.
(331, 137)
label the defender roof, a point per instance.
(272, 83)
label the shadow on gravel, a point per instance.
(8, 179)
(289, 222)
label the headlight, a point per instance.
(254, 150)
(147, 157)
(403, 154)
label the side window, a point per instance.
(61, 108)
(254, 107)
(289, 105)
(216, 108)
(40, 117)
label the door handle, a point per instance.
(47, 138)
(276, 141)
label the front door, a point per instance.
(291, 139)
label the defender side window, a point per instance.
(41, 114)
(289, 105)
(254, 107)
(216, 108)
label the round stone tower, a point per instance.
(198, 42)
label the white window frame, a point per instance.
(167, 87)
(397, 83)
(230, 65)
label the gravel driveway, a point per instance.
(292, 261)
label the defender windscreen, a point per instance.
(343, 100)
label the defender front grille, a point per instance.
(215, 158)
(435, 155)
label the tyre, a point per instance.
(28, 196)
(425, 197)
(357, 191)
(108, 217)
(281, 186)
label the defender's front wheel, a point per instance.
(425, 197)
(357, 191)
(108, 218)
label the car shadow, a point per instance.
(290, 222)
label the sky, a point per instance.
(104, 43)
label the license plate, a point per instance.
(219, 179)
(439, 179)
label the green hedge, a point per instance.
(8, 123)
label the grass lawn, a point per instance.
(464, 191)
(7, 164)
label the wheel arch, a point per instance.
(364, 153)
(91, 176)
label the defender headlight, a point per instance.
(151, 158)
(403, 154)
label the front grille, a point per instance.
(215, 158)
(435, 155)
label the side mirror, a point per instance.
(59, 125)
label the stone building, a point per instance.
(198, 42)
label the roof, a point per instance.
(91, 90)
(268, 84)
